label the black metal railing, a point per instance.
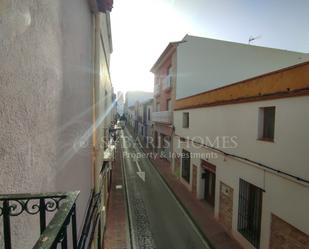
(63, 205)
(249, 212)
(90, 224)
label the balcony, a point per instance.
(167, 83)
(156, 90)
(61, 230)
(162, 117)
(63, 204)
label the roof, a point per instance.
(170, 47)
(238, 43)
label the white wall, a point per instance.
(289, 150)
(30, 73)
(284, 197)
(204, 64)
(76, 104)
(45, 102)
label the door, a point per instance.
(210, 186)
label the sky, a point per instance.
(141, 29)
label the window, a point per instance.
(169, 105)
(169, 71)
(267, 123)
(158, 107)
(249, 212)
(185, 165)
(185, 120)
(148, 114)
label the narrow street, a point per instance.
(157, 220)
(157, 124)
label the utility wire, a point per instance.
(250, 161)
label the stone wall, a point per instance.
(226, 205)
(285, 236)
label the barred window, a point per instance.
(249, 212)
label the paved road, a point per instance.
(157, 219)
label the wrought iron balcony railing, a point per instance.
(56, 231)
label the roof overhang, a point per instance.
(171, 47)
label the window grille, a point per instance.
(249, 212)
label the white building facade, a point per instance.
(243, 149)
(204, 64)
